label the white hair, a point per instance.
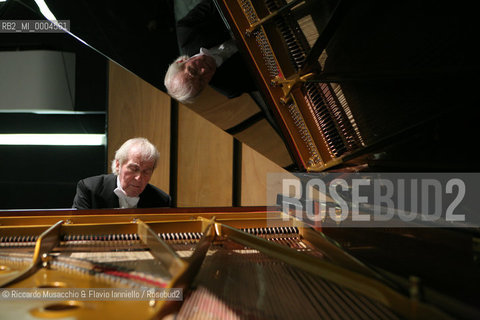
(177, 88)
(147, 150)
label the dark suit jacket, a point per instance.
(204, 27)
(97, 193)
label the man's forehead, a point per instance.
(140, 162)
(134, 154)
(135, 157)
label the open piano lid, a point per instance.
(382, 85)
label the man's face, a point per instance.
(134, 174)
(198, 70)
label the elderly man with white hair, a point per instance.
(209, 56)
(128, 186)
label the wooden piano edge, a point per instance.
(140, 211)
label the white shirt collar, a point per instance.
(221, 52)
(124, 200)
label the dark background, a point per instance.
(138, 35)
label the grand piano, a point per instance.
(353, 87)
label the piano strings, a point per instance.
(237, 282)
(321, 114)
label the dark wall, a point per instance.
(46, 176)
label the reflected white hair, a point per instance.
(147, 150)
(177, 88)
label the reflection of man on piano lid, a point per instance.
(220, 65)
